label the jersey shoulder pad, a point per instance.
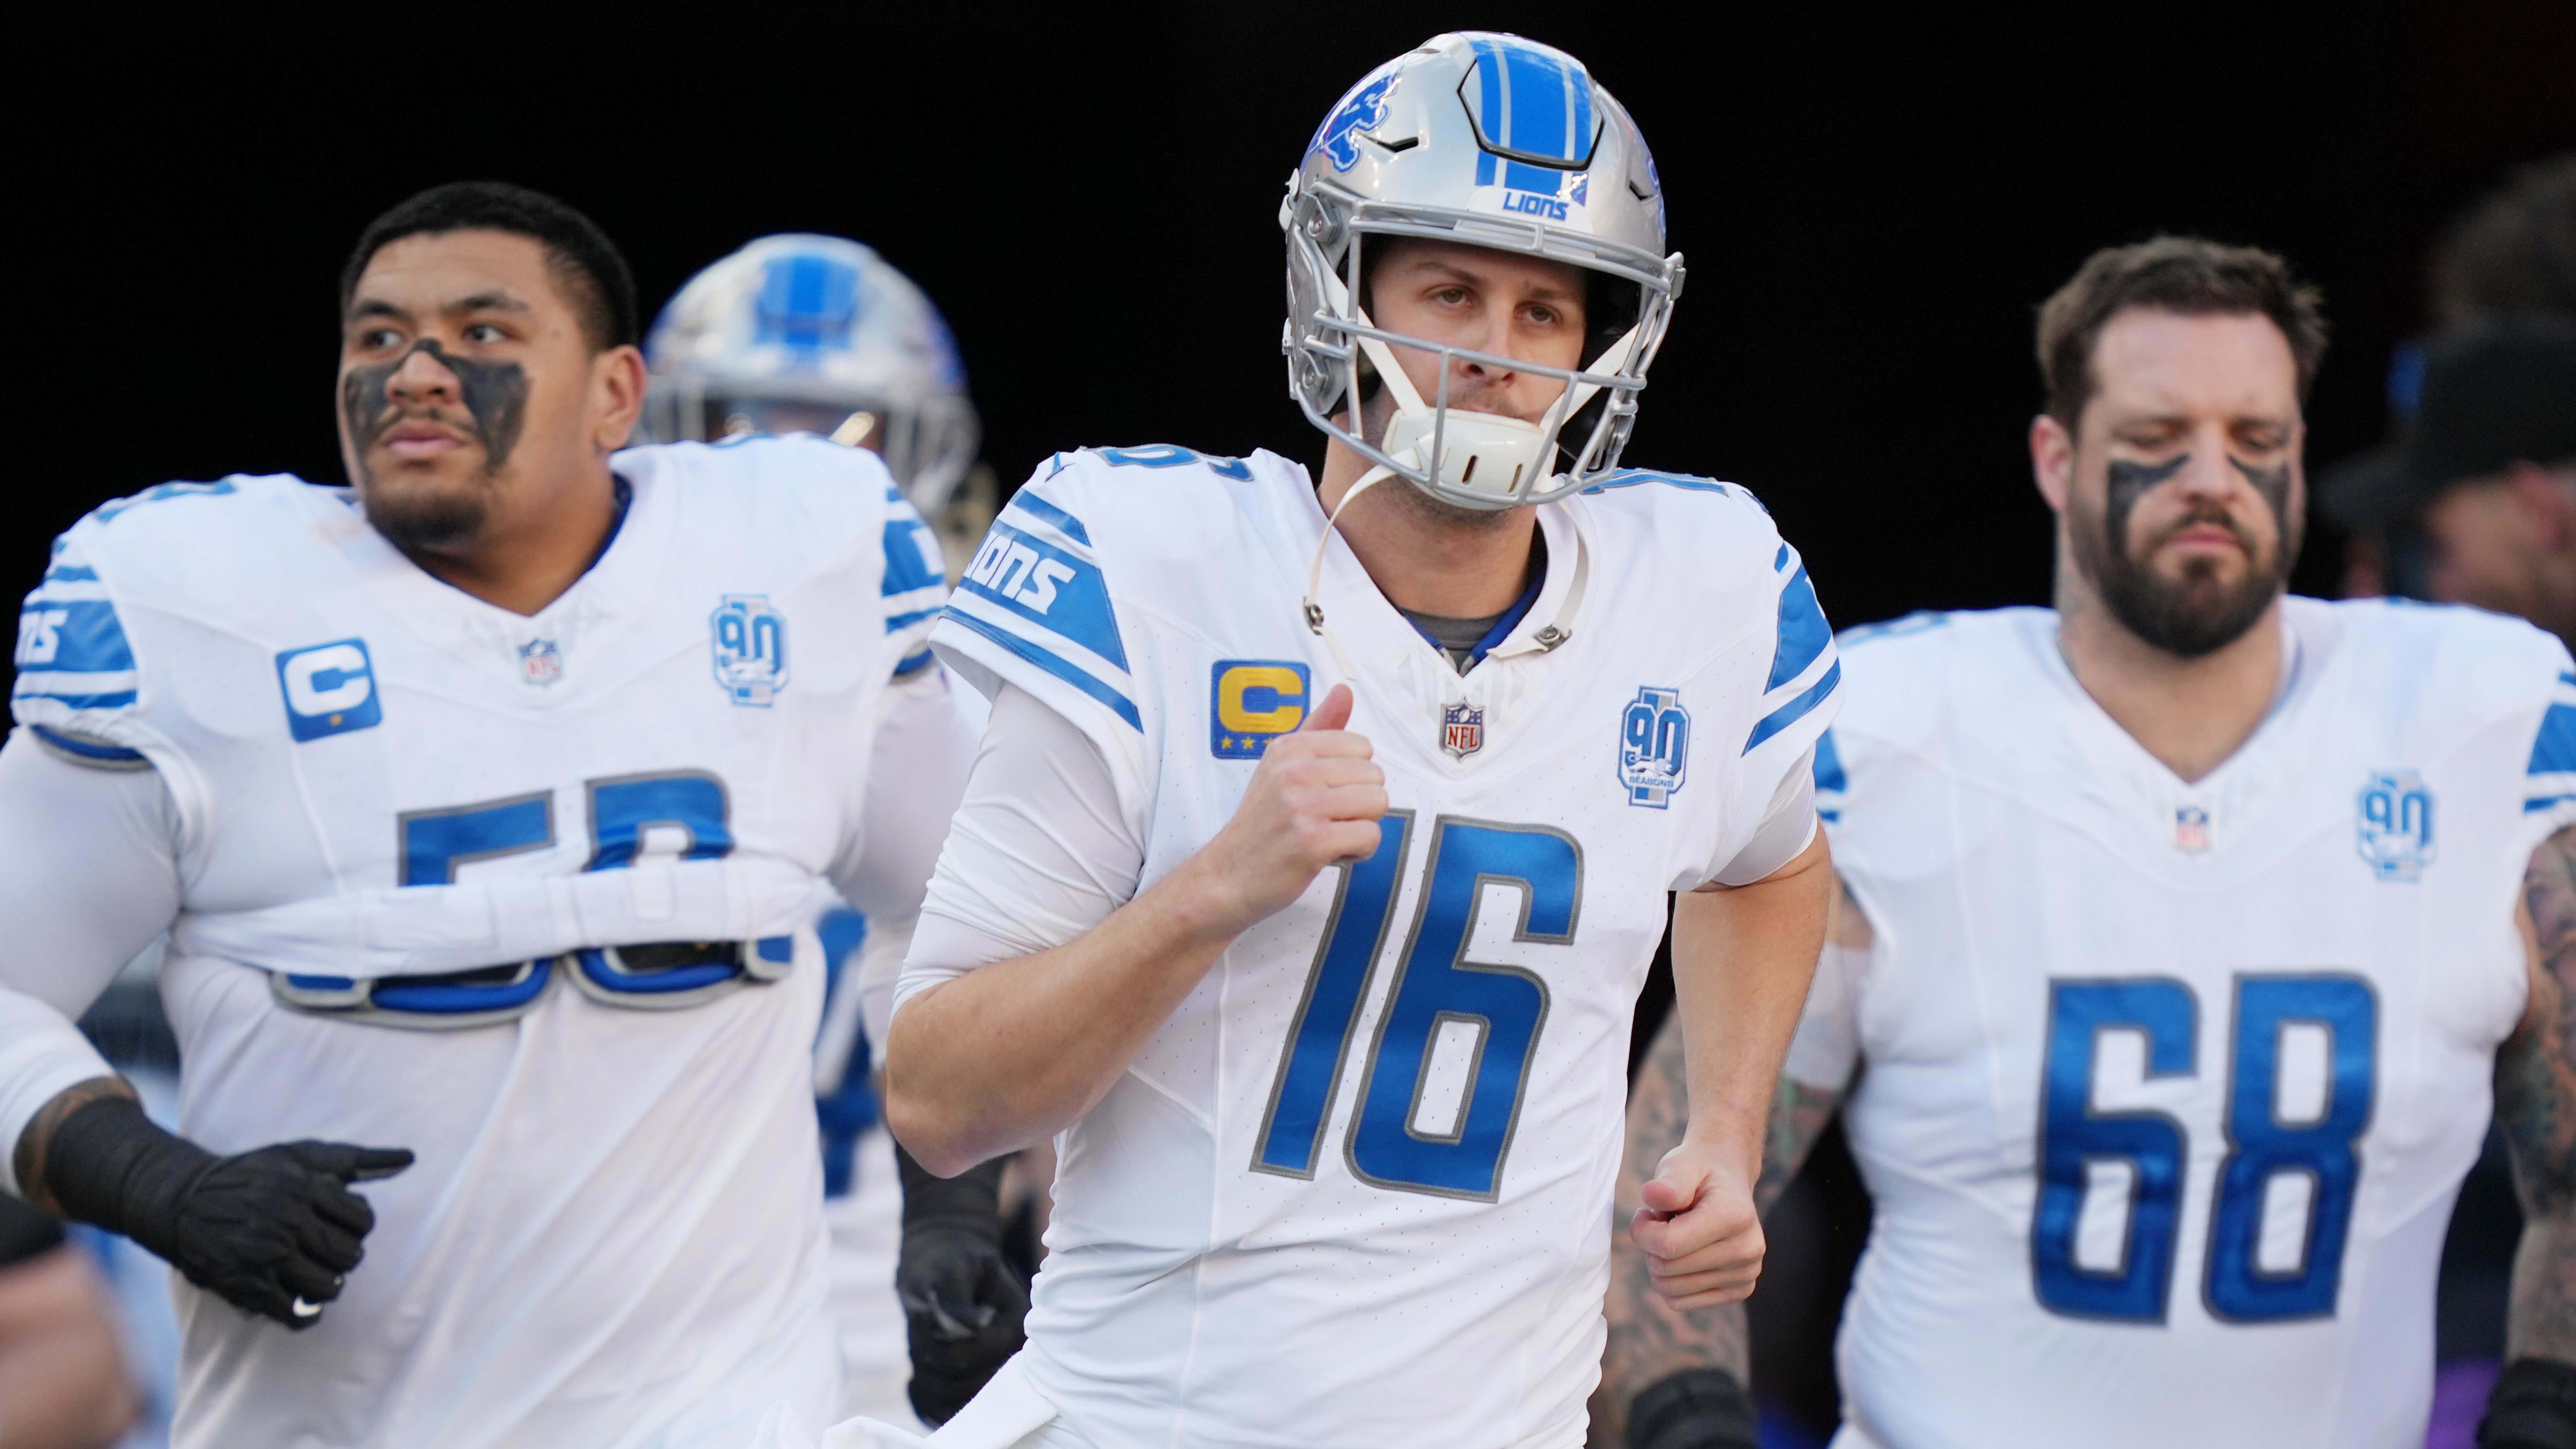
(178, 546)
(1057, 597)
(2462, 673)
(809, 506)
(1913, 684)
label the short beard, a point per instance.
(425, 521)
(2191, 617)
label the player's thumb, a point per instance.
(1332, 714)
(1673, 1189)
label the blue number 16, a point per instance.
(1435, 984)
(2261, 1146)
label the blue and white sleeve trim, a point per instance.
(2550, 778)
(1035, 592)
(1805, 670)
(916, 584)
(72, 656)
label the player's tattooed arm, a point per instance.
(30, 1158)
(1650, 1340)
(2536, 1110)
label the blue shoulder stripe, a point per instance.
(1796, 709)
(911, 555)
(1047, 512)
(1124, 707)
(2554, 752)
(1830, 779)
(1804, 634)
(87, 749)
(1048, 586)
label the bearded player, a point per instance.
(489, 806)
(2189, 933)
(799, 333)
(1322, 833)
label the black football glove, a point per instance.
(963, 1302)
(1694, 1409)
(272, 1231)
(2533, 1406)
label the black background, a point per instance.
(1871, 208)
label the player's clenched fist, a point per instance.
(1699, 1230)
(1314, 801)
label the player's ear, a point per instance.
(617, 396)
(2052, 460)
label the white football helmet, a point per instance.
(815, 334)
(1493, 141)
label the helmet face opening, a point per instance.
(1489, 141)
(809, 334)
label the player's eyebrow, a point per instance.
(494, 301)
(1541, 291)
(377, 307)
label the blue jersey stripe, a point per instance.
(1124, 707)
(1803, 631)
(909, 547)
(113, 699)
(1829, 764)
(1060, 591)
(912, 664)
(900, 622)
(2554, 752)
(1796, 709)
(70, 574)
(73, 636)
(1046, 512)
(86, 749)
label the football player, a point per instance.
(489, 804)
(1323, 831)
(820, 335)
(2188, 935)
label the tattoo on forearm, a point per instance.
(30, 1158)
(2536, 1111)
(1649, 1339)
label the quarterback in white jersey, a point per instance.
(1313, 933)
(489, 806)
(2177, 966)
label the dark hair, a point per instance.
(2172, 274)
(585, 263)
(2514, 252)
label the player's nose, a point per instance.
(422, 377)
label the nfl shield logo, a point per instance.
(2191, 829)
(1462, 729)
(750, 649)
(2396, 825)
(540, 662)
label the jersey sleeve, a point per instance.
(78, 686)
(1036, 610)
(1787, 678)
(915, 586)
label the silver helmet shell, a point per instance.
(1492, 141)
(807, 333)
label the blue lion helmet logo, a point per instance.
(1359, 111)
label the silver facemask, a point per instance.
(815, 334)
(1491, 141)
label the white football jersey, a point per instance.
(613, 1233)
(2166, 1089)
(1353, 1192)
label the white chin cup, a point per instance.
(1484, 454)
